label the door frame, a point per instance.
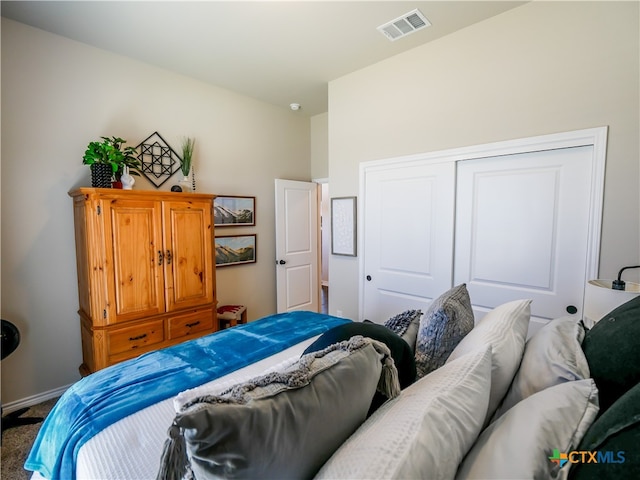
(325, 230)
(595, 137)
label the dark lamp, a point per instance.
(619, 284)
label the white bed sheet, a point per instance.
(131, 448)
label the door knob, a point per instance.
(282, 262)
(571, 309)
(368, 277)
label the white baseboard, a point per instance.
(34, 399)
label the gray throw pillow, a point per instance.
(409, 330)
(530, 440)
(446, 322)
(411, 334)
(283, 424)
(553, 355)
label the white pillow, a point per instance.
(505, 329)
(553, 355)
(546, 425)
(423, 433)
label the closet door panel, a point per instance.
(521, 225)
(408, 229)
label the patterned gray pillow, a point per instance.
(446, 322)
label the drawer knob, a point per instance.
(193, 324)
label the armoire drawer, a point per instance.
(190, 323)
(134, 338)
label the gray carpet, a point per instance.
(17, 441)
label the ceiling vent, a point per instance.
(404, 25)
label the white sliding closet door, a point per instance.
(408, 233)
(513, 220)
(522, 223)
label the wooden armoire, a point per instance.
(146, 271)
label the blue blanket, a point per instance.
(109, 395)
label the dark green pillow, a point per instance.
(401, 353)
(615, 434)
(611, 348)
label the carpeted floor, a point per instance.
(17, 441)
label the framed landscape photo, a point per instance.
(343, 226)
(234, 211)
(235, 250)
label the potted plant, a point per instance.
(185, 165)
(107, 160)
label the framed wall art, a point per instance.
(343, 226)
(235, 249)
(234, 211)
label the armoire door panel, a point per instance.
(521, 226)
(135, 230)
(408, 229)
(187, 265)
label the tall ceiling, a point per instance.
(280, 52)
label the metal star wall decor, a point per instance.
(158, 161)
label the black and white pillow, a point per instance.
(400, 323)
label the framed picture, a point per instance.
(233, 211)
(235, 250)
(343, 226)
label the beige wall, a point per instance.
(541, 68)
(320, 146)
(57, 95)
(320, 172)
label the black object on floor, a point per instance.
(10, 341)
(14, 419)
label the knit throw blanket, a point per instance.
(109, 395)
(401, 322)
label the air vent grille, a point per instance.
(404, 25)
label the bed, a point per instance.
(487, 404)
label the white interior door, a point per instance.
(408, 232)
(297, 246)
(522, 223)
